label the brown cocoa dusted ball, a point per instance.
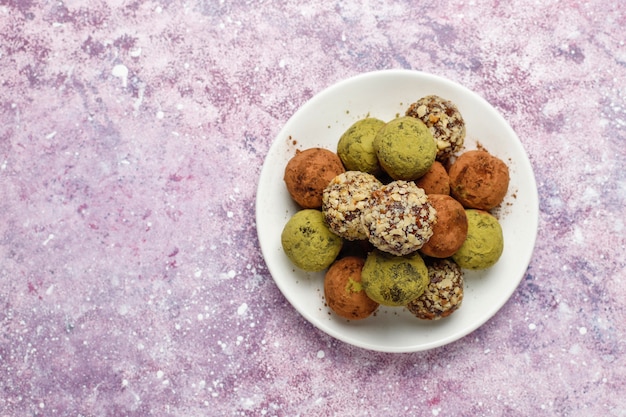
(450, 231)
(478, 180)
(436, 180)
(344, 292)
(308, 173)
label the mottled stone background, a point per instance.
(132, 134)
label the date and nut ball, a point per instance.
(344, 200)
(478, 180)
(308, 173)
(435, 181)
(444, 293)
(405, 148)
(399, 219)
(394, 280)
(308, 242)
(344, 291)
(450, 231)
(484, 243)
(356, 146)
(444, 121)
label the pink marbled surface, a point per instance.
(132, 134)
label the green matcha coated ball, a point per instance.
(484, 243)
(394, 280)
(405, 148)
(308, 242)
(356, 146)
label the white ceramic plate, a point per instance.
(385, 95)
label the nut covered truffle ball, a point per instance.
(479, 180)
(450, 231)
(344, 291)
(399, 218)
(444, 121)
(308, 173)
(343, 202)
(444, 293)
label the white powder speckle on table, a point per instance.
(121, 71)
(241, 310)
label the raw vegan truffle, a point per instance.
(435, 181)
(308, 173)
(444, 293)
(308, 242)
(450, 231)
(399, 218)
(479, 180)
(394, 280)
(344, 200)
(444, 121)
(344, 292)
(356, 146)
(484, 243)
(405, 148)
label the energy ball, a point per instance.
(308, 242)
(356, 146)
(444, 293)
(405, 148)
(344, 292)
(394, 280)
(479, 180)
(399, 219)
(435, 181)
(484, 243)
(343, 201)
(308, 173)
(444, 121)
(450, 231)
